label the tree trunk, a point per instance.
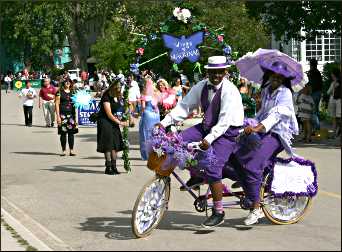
(76, 39)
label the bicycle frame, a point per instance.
(226, 193)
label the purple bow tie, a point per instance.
(212, 87)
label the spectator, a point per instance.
(66, 116)
(84, 76)
(178, 89)
(109, 138)
(46, 100)
(29, 94)
(306, 106)
(8, 81)
(316, 84)
(334, 106)
(186, 87)
(133, 94)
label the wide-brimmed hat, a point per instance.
(217, 62)
(278, 67)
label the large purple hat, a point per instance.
(277, 67)
(252, 66)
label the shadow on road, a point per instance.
(119, 228)
(70, 168)
(23, 125)
(36, 153)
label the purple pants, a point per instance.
(252, 164)
(223, 148)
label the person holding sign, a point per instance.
(223, 118)
(28, 94)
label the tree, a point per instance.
(286, 19)
(30, 30)
(114, 51)
(242, 32)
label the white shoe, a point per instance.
(253, 216)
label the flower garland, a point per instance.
(126, 117)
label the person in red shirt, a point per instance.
(47, 100)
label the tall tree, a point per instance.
(287, 18)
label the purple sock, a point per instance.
(218, 206)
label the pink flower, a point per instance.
(140, 51)
(220, 38)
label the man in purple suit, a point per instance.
(223, 111)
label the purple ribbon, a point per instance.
(217, 65)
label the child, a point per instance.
(305, 111)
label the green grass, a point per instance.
(16, 236)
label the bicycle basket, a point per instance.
(155, 164)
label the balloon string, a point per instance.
(165, 53)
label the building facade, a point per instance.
(324, 48)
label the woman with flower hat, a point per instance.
(276, 125)
(66, 116)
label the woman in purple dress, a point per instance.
(276, 125)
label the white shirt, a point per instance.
(134, 92)
(8, 79)
(231, 111)
(26, 100)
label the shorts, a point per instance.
(334, 108)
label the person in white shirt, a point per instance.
(133, 94)
(223, 118)
(8, 82)
(28, 94)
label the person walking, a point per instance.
(109, 138)
(46, 100)
(66, 116)
(28, 94)
(316, 83)
(8, 81)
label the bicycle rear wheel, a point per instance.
(150, 206)
(284, 210)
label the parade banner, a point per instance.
(19, 84)
(83, 114)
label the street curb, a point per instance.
(42, 239)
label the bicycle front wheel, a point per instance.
(150, 206)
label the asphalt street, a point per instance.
(70, 204)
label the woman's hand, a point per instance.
(124, 124)
(59, 121)
(249, 129)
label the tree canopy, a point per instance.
(286, 19)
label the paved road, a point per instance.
(68, 203)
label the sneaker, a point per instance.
(193, 182)
(236, 185)
(253, 216)
(214, 220)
